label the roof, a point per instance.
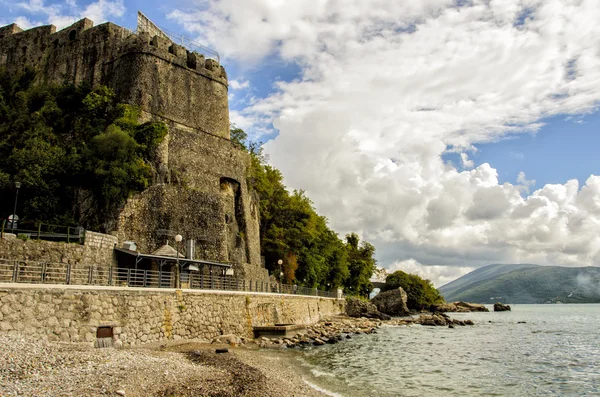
(139, 256)
(167, 250)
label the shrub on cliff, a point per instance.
(77, 152)
(421, 293)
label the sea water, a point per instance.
(534, 350)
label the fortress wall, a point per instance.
(192, 201)
(138, 315)
(161, 77)
(162, 84)
(173, 85)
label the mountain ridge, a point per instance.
(526, 283)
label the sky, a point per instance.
(451, 134)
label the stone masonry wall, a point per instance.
(73, 314)
(97, 250)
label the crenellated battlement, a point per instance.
(19, 48)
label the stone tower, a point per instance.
(200, 190)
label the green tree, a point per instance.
(361, 264)
(78, 153)
(420, 292)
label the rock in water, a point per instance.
(356, 307)
(392, 302)
(499, 307)
(459, 307)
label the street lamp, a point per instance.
(178, 239)
(14, 214)
(280, 262)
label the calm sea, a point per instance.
(557, 352)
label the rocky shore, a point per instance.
(340, 328)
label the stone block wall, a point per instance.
(73, 314)
(97, 249)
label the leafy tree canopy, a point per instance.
(421, 293)
(77, 152)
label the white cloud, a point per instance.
(238, 85)
(438, 275)
(524, 184)
(63, 15)
(388, 87)
(464, 158)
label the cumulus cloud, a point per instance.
(238, 85)
(438, 275)
(387, 88)
(64, 14)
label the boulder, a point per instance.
(392, 302)
(499, 307)
(356, 307)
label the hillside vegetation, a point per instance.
(526, 284)
(77, 152)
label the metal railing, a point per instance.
(30, 272)
(43, 231)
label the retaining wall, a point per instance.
(97, 249)
(142, 315)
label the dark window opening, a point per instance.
(72, 35)
(104, 332)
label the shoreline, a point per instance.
(31, 367)
(187, 368)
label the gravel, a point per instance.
(32, 367)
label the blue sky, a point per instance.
(564, 148)
(445, 132)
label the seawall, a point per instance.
(142, 315)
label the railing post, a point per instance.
(39, 230)
(145, 278)
(90, 275)
(3, 224)
(110, 275)
(129, 277)
(68, 234)
(68, 280)
(15, 276)
(43, 275)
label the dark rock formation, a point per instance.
(359, 308)
(392, 302)
(440, 319)
(499, 307)
(459, 307)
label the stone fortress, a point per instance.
(200, 189)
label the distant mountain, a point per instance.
(523, 283)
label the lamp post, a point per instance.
(14, 214)
(280, 262)
(178, 239)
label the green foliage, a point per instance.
(77, 152)
(421, 293)
(313, 255)
(238, 137)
